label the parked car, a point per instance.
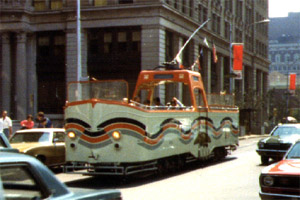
(5, 146)
(24, 177)
(281, 180)
(46, 144)
(279, 141)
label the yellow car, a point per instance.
(45, 144)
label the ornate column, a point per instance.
(6, 72)
(220, 72)
(21, 76)
(152, 46)
(31, 76)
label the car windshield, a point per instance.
(30, 137)
(294, 152)
(286, 131)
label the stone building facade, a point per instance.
(121, 37)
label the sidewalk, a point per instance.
(252, 136)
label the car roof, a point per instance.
(297, 125)
(41, 129)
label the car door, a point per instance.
(18, 182)
(59, 145)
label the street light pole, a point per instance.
(287, 85)
(231, 85)
(79, 73)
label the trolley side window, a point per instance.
(199, 97)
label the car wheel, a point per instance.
(264, 160)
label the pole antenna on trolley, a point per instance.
(177, 57)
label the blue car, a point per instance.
(24, 177)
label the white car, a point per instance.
(45, 144)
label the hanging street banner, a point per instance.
(292, 81)
(238, 59)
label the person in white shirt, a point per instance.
(6, 124)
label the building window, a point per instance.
(287, 57)
(228, 5)
(227, 30)
(169, 46)
(214, 22)
(202, 13)
(107, 39)
(277, 58)
(39, 5)
(176, 4)
(51, 71)
(125, 1)
(100, 2)
(115, 53)
(239, 9)
(296, 57)
(191, 7)
(122, 41)
(136, 41)
(56, 4)
(183, 8)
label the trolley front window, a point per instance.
(106, 90)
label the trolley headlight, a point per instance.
(72, 135)
(116, 135)
(268, 180)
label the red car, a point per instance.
(281, 180)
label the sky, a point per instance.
(281, 8)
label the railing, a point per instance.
(46, 5)
(220, 99)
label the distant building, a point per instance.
(120, 38)
(284, 54)
(284, 44)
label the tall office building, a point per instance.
(121, 37)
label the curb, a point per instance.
(245, 137)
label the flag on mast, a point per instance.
(215, 53)
(205, 42)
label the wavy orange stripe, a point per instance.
(94, 140)
(151, 141)
(170, 126)
(186, 137)
(124, 126)
(75, 126)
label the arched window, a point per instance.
(296, 57)
(287, 57)
(277, 58)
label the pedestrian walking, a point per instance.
(43, 122)
(28, 123)
(7, 124)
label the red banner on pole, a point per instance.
(237, 57)
(292, 81)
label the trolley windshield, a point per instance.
(106, 90)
